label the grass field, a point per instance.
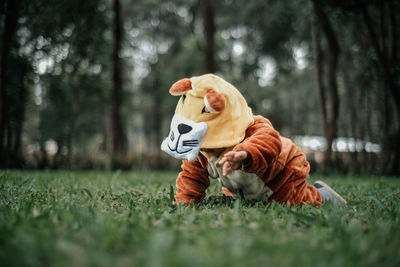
(126, 219)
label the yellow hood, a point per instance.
(225, 128)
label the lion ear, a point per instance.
(214, 101)
(180, 87)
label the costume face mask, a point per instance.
(211, 113)
(184, 139)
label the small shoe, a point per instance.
(328, 194)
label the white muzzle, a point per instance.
(184, 139)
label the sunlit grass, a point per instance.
(126, 219)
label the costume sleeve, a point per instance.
(263, 144)
(192, 181)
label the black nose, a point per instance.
(184, 128)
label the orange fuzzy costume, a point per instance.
(213, 118)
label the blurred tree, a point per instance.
(119, 143)
(387, 58)
(69, 55)
(209, 31)
(10, 126)
(378, 49)
(326, 80)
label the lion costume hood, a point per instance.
(211, 113)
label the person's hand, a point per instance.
(232, 161)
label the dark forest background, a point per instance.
(84, 84)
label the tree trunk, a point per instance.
(10, 27)
(209, 30)
(392, 34)
(351, 89)
(386, 40)
(157, 110)
(329, 97)
(118, 139)
(19, 118)
(392, 56)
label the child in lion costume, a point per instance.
(216, 135)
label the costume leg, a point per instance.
(290, 186)
(311, 195)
